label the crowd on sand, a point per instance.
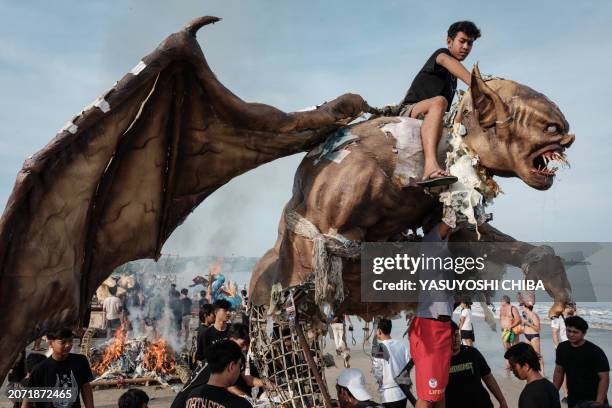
(449, 371)
(222, 377)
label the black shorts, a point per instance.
(467, 335)
(113, 324)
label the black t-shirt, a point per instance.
(465, 388)
(539, 394)
(200, 342)
(209, 337)
(177, 307)
(581, 365)
(72, 373)
(201, 378)
(432, 80)
(202, 302)
(186, 303)
(206, 396)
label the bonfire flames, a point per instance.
(158, 358)
(135, 358)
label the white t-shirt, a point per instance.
(397, 359)
(559, 324)
(112, 307)
(467, 319)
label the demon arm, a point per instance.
(537, 262)
(123, 174)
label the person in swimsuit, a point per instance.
(465, 323)
(531, 330)
(509, 319)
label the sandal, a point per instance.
(437, 181)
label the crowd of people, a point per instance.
(449, 369)
(222, 375)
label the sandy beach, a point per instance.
(489, 344)
(487, 341)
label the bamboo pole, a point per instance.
(141, 380)
(312, 365)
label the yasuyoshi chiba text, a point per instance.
(453, 285)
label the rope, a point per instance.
(327, 253)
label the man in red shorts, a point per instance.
(430, 332)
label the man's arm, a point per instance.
(602, 387)
(493, 386)
(555, 337)
(454, 67)
(536, 322)
(87, 395)
(253, 381)
(558, 376)
(236, 391)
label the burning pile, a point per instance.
(136, 358)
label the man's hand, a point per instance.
(264, 383)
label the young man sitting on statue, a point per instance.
(431, 95)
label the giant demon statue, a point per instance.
(123, 174)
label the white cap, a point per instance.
(354, 381)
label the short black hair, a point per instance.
(60, 334)
(385, 326)
(523, 353)
(239, 331)
(222, 304)
(221, 354)
(184, 291)
(205, 310)
(466, 27)
(454, 327)
(577, 322)
(133, 398)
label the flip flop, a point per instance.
(437, 181)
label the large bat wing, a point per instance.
(123, 174)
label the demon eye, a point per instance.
(552, 128)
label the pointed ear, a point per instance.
(489, 107)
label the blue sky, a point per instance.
(56, 57)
